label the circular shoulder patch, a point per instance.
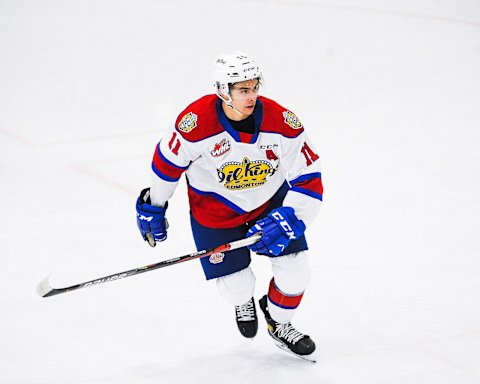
(188, 122)
(292, 120)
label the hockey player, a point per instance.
(250, 167)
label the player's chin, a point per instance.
(248, 110)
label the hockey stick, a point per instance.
(44, 289)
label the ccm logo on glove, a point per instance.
(279, 228)
(284, 224)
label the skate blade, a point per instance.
(283, 347)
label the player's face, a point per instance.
(244, 96)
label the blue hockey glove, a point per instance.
(150, 219)
(278, 229)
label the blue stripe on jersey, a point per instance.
(307, 192)
(225, 201)
(159, 151)
(305, 177)
(163, 176)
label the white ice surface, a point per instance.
(390, 91)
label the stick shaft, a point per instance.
(45, 290)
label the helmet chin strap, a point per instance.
(235, 109)
(229, 102)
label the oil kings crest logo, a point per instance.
(292, 120)
(246, 174)
(188, 122)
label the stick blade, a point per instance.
(44, 287)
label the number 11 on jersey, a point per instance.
(174, 144)
(310, 156)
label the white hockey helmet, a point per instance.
(232, 68)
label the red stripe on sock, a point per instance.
(282, 300)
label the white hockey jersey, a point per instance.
(232, 175)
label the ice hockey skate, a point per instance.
(246, 316)
(286, 337)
